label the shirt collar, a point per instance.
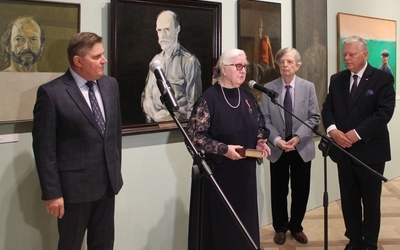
(291, 83)
(80, 81)
(361, 72)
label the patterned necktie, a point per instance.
(287, 104)
(96, 108)
(354, 86)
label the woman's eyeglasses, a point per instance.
(239, 66)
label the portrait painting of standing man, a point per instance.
(181, 68)
(182, 39)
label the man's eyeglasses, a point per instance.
(239, 66)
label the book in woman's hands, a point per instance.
(248, 152)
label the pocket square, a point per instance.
(369, 92)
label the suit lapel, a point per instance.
(346, 88)
(77, 97)
(362, 85)
(298, 94)
(278, 88)
(104, 90)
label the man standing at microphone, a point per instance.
(182, 70)
(294, 145)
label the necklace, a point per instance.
(234, 107)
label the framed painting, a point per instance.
(259, 35)
(310, 39)
(33, 55)
(183, 36)
(380, 35)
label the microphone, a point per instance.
(167, 93)
(271, 93)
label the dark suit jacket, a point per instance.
(74, 160)
(369, 113)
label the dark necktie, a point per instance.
(287, 104)
(354, 86)
(96, 108)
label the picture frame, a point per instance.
(310, 40)
(379, 33)
(134, 43)
(259, 35)
(54, 24)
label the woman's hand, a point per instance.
(232, 154)
(262, 146)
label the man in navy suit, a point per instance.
(79, 160)
(358, 123)
(294, 145)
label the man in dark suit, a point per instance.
(294, 145)
(358, 123)
(77, 154)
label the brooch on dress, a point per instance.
(248, 104)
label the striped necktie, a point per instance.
(98, 116)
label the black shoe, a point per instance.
(364, 246)
(352, 246)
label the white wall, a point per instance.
(152, 208)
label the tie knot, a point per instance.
(90, 84)
(287, 87)
(355, 77)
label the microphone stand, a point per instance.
(206, 171)
(325, 145)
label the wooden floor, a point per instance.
(313, 224)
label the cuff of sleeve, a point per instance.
(222, 149)
(276, 140)
(330, 128)
(357, 134)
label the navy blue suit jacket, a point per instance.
(74, 160)
(368, 113)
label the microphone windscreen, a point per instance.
(251, 83)
(155, 64)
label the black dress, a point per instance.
(213, 125)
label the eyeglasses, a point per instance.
(239, 66)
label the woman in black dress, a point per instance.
(225, 118)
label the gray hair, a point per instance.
(362, 44)
(283, 51)
(227, 57)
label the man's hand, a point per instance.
(55, 207)
(286, 146)
(293, 142)
(340, 138)
(352, 136)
